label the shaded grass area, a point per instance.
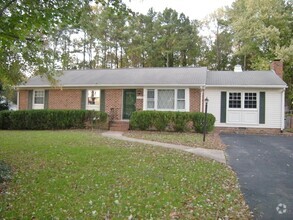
(213, 140)
(81, 175)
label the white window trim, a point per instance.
(187, 106)
(89, 106)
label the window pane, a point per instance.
(39, 97)
(250, 100)
(181, 94)
(39, 100)
(93, 97)
(166, 99)
(151, 93)
(180, 104)
(235, 100)
(150, 104)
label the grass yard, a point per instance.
(213, 140)
(81, 175)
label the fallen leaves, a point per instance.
(112, 180)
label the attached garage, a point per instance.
(246, 99)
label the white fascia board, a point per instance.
(112, 86)
(248, 86)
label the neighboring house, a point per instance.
(237, 99)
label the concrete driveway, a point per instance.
(264, 166)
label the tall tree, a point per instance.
(219, 56)
(26, 29)
(263, 30)
(259, 27)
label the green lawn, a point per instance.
(213, 140)
(81, 175)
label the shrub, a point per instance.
(50, 119)
(180, 121)
(175, 121)
(4, 119)
(198, 121)
(160, 120)
(141, 121)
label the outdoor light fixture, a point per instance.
(205, 119)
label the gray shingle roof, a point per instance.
(179, 76)
(244, 79)
(127, 77)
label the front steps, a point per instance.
(119, 126)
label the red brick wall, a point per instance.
(194, 99)
(23, 100)
(113, 99)
(71, 99)
(139, 99)
(65, 99)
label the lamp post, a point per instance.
(205, 119)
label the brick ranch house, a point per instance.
(238, 99)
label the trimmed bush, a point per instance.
(160, 120)
(50, 119)
(198, 121)
(173, 121)
(180, 121)
(141, 121)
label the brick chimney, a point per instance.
(277, 66)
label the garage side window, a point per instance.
(250, 100)
(234, 100)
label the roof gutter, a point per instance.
(248, 86)
(109, 86)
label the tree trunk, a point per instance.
(84, 40)
(121, 57)
(116, 56)
(244, 63)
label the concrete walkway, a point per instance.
(217, 155)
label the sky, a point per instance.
(194, 9)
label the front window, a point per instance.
(39, 97)
(250, 100)
(93, 97)
(234, 100)
(166, 99)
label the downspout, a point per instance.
(283, 111)
(201, 98)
